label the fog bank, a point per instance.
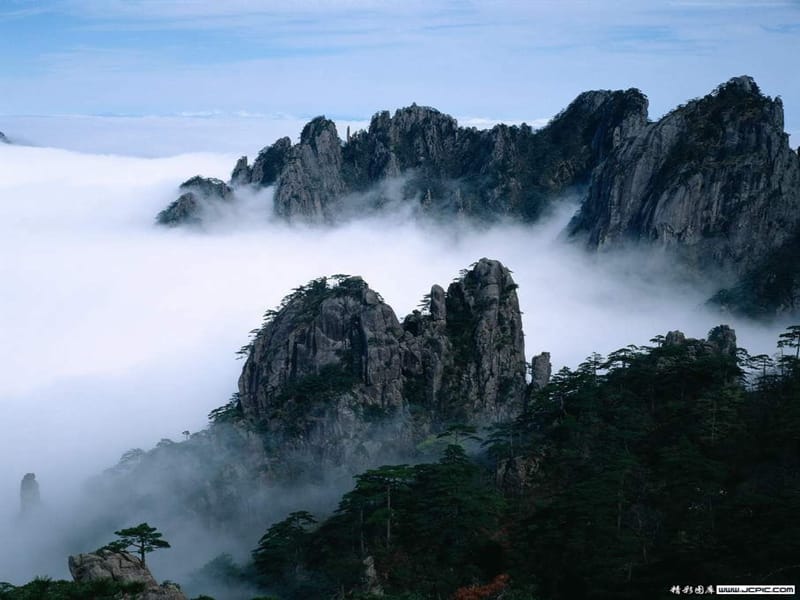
(119, 333)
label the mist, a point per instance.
(118, 333)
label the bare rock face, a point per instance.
(270, 162)
(443, 169)
(333, 372)
(242, 172)
(470, 351)
(325, 372)
(311, 179)
(121, 567)
(541, 370)
(334, 384)
(714, 181)
(3, 139)
(197, 193)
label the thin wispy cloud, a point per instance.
(499, 60)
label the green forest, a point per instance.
(671, 464)
(675, 464)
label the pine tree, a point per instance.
(142, 538)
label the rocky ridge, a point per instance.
(334, 383)
(440, 167)
(715, 183)
(334, 373)
(4, 139)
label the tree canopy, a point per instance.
(142, 539)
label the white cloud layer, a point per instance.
(117, 333)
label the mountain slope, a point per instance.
(714, 181)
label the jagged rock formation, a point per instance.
(721, 340)
(713, 181)
(326, 371)
(197, 193)
(3, 139)
(541, 369)
(465, 361)
(29, 494)
(334, 384)
(121, 567)
(311, 178)
(441, 167)
(334, 373)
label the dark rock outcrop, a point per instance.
(124, 568)
(324, 375)
(506, 171)
(714, 182)
(442, 168)
(270, 162)
(334, 384)
(197, 193)
(333, 372)
(242, 172)
(465, 361)
(4, 139)
(310, 181)
(541, 370)
(721, 340)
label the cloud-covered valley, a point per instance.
(117, 333)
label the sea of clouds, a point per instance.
(118, 333)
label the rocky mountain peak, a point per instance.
(310, 180)
(270, 162)
(465, 359)
(332, 366)
(723, 339)
(198, 194)
(714, 182)
(3, 139)
(316, 128)
(330, 353)
(743, 83)
(445, 169)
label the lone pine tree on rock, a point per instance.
(142, 539)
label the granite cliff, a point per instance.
(439, 167)
(334, 383)
(335, 374)
(715, 183)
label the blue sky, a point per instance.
(349, 58)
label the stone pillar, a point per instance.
(28, 494)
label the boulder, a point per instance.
(121, 567)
